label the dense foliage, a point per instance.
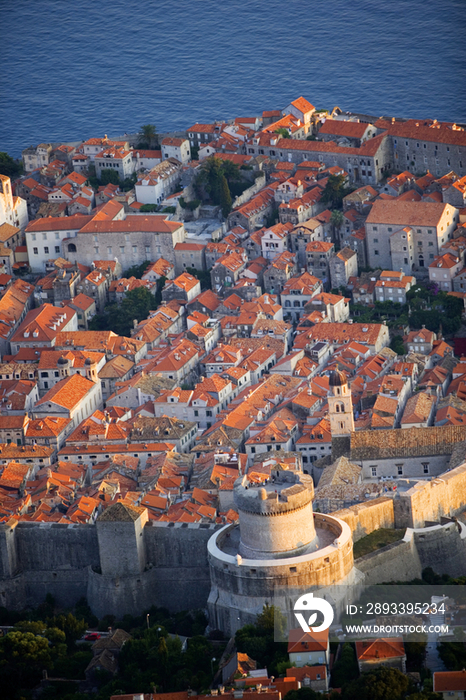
(119, 318)
(9, 166)
(334, 191)
(218, 182)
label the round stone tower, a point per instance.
(279, 550)
(276, 519)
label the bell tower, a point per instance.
(340, 405)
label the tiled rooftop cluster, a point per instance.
(218, 382)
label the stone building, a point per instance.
(176, 148)
(342, 266)
(425, 145)
(407, 235)
(119, 160)
(153, 187)
(318, 256)
(350, 133)
(185, 287)
(365, 165)
(190, 254)
(297, 292)
(307, 232)
(279, 272)
(36, 157)
(456, 193)
(443, 269)
(393, 286)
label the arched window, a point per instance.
(71, 248)
(337, 408)
(296, 304)
(288, 303)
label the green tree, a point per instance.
(303, 694)
(136, 271)
(202, 275)
(107, 175)
(346, 668)
(334, 191)
(397, 345)
(148, 134)
(71, 626)
(225, 197)
(380, 684)
(336, 220)
(119, 317)
(34, 626)
(272, 621)
(23, 655)
(9, 166)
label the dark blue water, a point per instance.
(72, 70)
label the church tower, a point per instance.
(340, 405)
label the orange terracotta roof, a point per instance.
(68, 392)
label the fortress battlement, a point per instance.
(284, 493)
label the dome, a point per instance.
(62, 361)
(88, 361)
(337, 378)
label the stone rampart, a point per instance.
(431, 500)
(395, 562)
(52, 546)
(364, 518)
(65, 560)
(442, 547)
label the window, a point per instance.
(375, 240)
(399, 468)
(44, 236)
(57, 248)
(389, 229)
(376, 252)
(46, 250)
(425, 467)
(374, 228)
(71, 248)
(35, 251)
(33, 237)
(373, 471)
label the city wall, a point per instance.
(364, 518)
(441, 547)
(65, 560)
(431, 500)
